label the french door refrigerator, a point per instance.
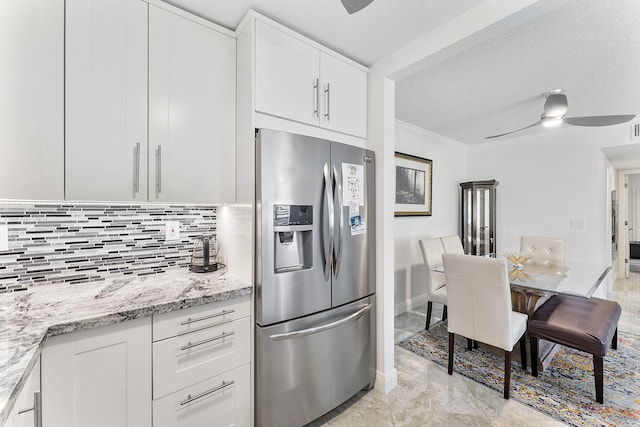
(315, 276)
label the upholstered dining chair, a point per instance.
(544, 251)
(432, 251)
(452, 244)
(479, 299)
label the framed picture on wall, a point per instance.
(413, 185)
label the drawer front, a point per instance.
(192, 319)
(220, 401)
(187, 359)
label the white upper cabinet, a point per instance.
(297, 80)
(31, 99)
(106, 100)
(192, 87)
(344, 96)
(150, 104)
(287, 79)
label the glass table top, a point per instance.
(573, 278)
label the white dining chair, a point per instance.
(432, 251)
(452, 244)
(543, 251)
(479, 299)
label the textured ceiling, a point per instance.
(589, 48)
(366, 36)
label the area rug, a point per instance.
(565, 390)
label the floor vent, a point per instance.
(635, 130)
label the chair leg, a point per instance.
(523, 350)
(429, 309)
(469, 344)
(450, 367)
(614, 340)
(507, 373)
(534, 355)
(444, 313)
(475, 344)
(598, 374)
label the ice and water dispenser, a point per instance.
(293, 228)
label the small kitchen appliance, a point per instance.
(205, 251)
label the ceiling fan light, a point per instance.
(354, 6)
(552, 122)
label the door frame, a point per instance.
(623, 222)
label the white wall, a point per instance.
(548, 179)
(449, 169)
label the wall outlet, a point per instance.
(172, 231)
(577, 223)
(4, 237)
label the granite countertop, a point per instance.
(28, 317)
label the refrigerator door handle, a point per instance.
(338, 254)
(328, 195)
(304, 332)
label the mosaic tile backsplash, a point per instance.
(53, 243)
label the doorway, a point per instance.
(628, 223)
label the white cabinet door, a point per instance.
(26, 409)
(106, 100)
(98, 377)
(286, 76)
(344, 96)
(31, 99)
(223, 400)
(191, 111)
(298, 81)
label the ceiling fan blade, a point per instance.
(598, 120)
(513, 131)
(556, 105)
(354, 6)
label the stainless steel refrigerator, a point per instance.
(315, 276)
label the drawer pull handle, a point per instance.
(195, 344)
(198, 319)
(190, 399)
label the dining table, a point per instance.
(534, 283)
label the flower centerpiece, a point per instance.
(518, 259)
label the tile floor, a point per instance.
(427, 396)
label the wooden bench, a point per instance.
(585, 324)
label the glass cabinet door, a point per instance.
(479, 217)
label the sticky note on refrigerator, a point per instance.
(352, 184)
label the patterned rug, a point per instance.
(564, 391)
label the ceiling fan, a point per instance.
(555, 109)
(354, 6)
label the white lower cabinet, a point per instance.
(188, 367)
(27, 410)
(98, 377)
(201, 369)
(219, 401)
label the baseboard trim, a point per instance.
(385, 382)
(409, 304)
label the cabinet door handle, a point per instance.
(136, 170)
(327, 95)
(199, 319)
(316, 95)
(36, 408)
(158, 170)
(208, 340)
(190, 399)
